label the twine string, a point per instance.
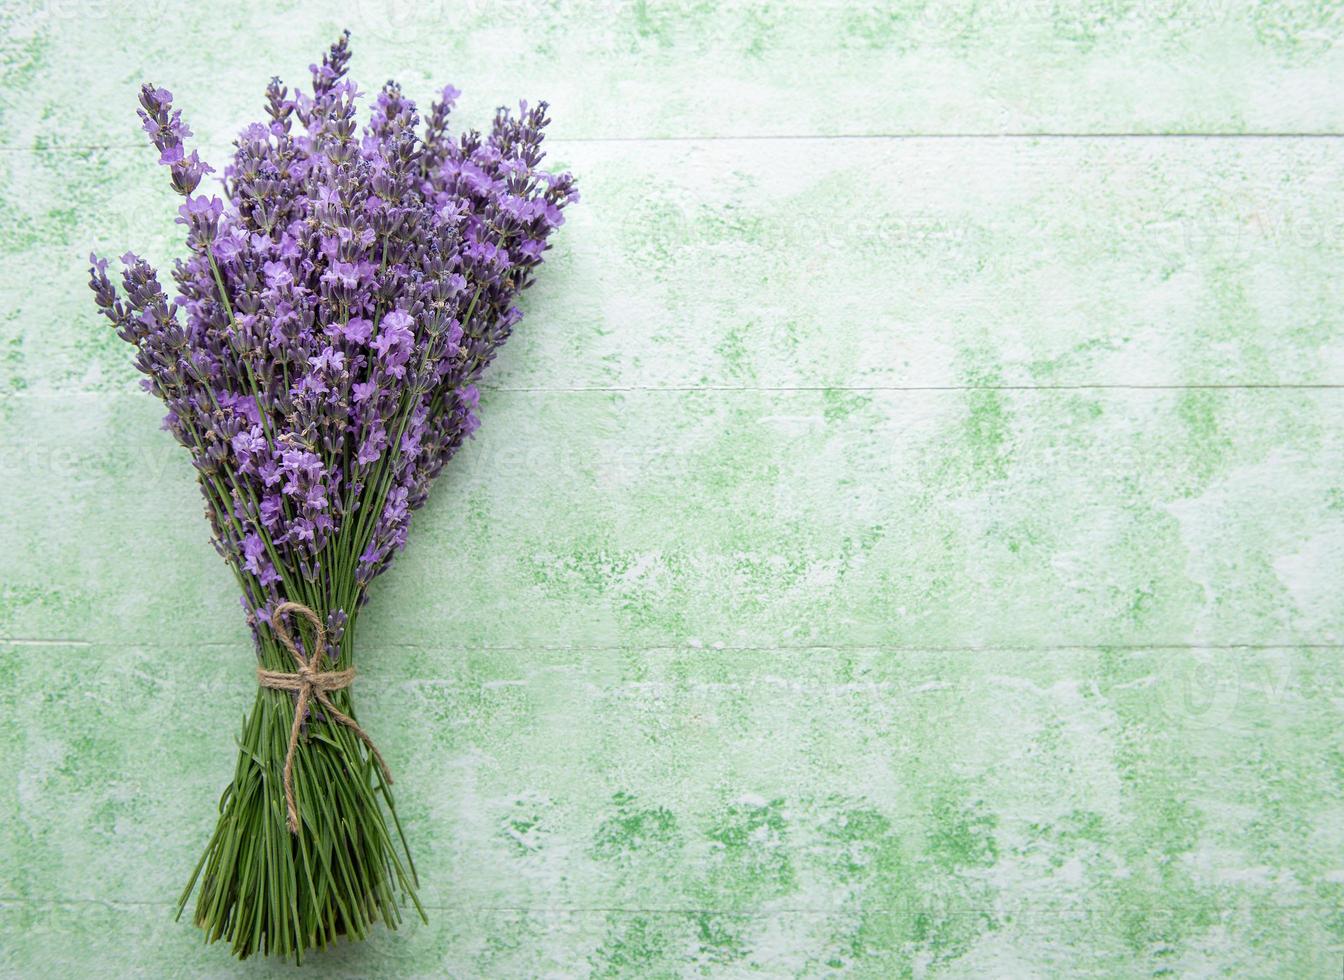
(311, 684)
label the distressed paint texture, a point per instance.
(904, 542)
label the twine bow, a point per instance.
(311, 683)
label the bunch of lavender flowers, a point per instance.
(319, 363)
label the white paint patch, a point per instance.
(1312, 573)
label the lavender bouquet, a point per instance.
(319, 363)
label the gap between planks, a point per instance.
(1081, 386)
(710, 649)
(686, 910)
(785, 137)
(62, 392)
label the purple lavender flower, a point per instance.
(336, 309)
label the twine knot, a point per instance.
(312, 684)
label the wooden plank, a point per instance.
(52, 938)
(821, 263)
(750, 519)
(675, 68)
(747, 807)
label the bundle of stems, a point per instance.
(319, 362)
(265, 889)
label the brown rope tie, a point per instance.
(311, 684)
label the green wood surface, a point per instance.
(904, 539)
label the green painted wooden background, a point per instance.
(905, 537)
